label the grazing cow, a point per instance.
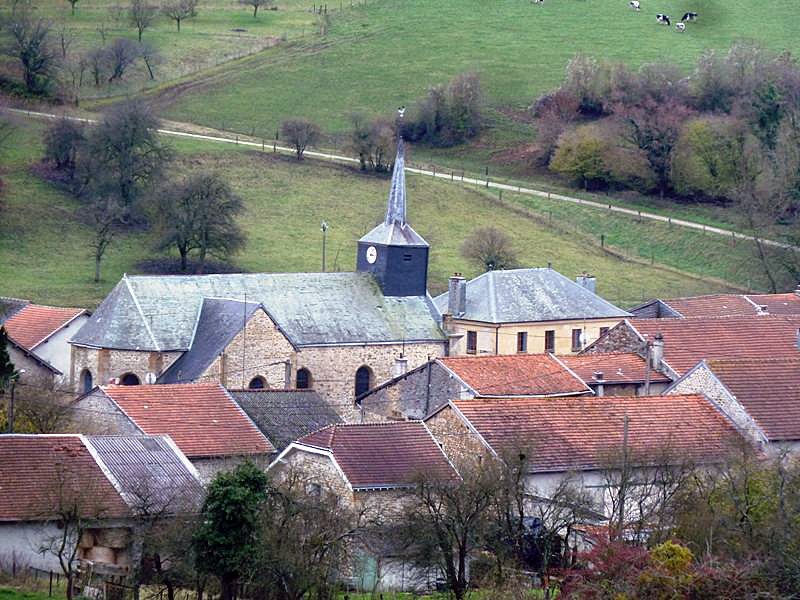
(680, 27)
(663, 19)
(689, 16)
(634, 4)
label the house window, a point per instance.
(129, 379)
(550, 341)
(314, 489)
(363, 377)
(472, 342)
(86, 381)
(603, 331)
(522, 341)
(303, 379)
(257, 383)
(576, 340)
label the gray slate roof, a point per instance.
(160, 312)
(394, 230)
(218, 323)
(285, 416)
(521, 295)
(153, 474)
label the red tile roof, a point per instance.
(769, 389)
(688, 341)
(616, 367)
(39, 472)
(201, 418)
(374, 455)
(778, 304)
(34, 323)
(516, 375)
(718, 305)
(582, 432)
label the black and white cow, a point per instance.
(689, 16)
(634, 4)
(680, 27)
(663, 19)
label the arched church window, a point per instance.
(129, 379)
(86, 381)
(363, 380)
(303, 379)
(257, 383)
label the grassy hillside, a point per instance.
(44, 254)
(389, 52)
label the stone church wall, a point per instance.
(105, 364)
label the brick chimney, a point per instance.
(457, 295)
(588, 282)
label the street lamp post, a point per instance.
(324, 227)
(14, 379)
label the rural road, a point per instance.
(444, 175)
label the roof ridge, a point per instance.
(141, 312)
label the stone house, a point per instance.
(338, 333)
(524, 310)
(372, 468)
(679, 344)
(422, 391)
(720, 305)
(760, 395)
(284, 416)
(202, 418)
(106, 480)
(580, 438)
(38, 340)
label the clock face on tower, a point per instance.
(372, 254)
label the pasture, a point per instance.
(387, 53)
(44, 252)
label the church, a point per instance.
(339, 333)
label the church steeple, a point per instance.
(393, 252)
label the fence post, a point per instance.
(51, 584)
(602, 240)
(501, 195)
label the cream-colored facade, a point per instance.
(504, 338)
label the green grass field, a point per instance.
(389, 52)
(44, 254)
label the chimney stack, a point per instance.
(658, 352)
(797, 289)
(457, 295)
(598, 377)
(797, 339)
(587, 281)
(400, 366)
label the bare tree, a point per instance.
(120, 55)
(200, 214)
(31, 43)
(256, 4)
(489, 249)
(141, 15)
(151, 57)
(178, 10)
(300, 133)
(103, 212)
(72, 4)
(372, 141)
(43, 408)
(97, 63)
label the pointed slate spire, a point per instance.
(396, 210)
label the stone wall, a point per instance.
(313, 469)
(35, 374)
(333, 369)
(105, 364)
(253, 353)
(207, 468)
(96, 414)
(408, 396)
(461, 445)
(621, 338)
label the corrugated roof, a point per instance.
(160, 312)
(39, 473)
(286, 415)
(518, 375)
(202, 419)
(34, 323)
(218, 323)
(522, 295)
(582, 432)
(153, 477)
(616, 367)
(383, 454)
(769, 389)
(688, 341)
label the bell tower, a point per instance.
(395, 254)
